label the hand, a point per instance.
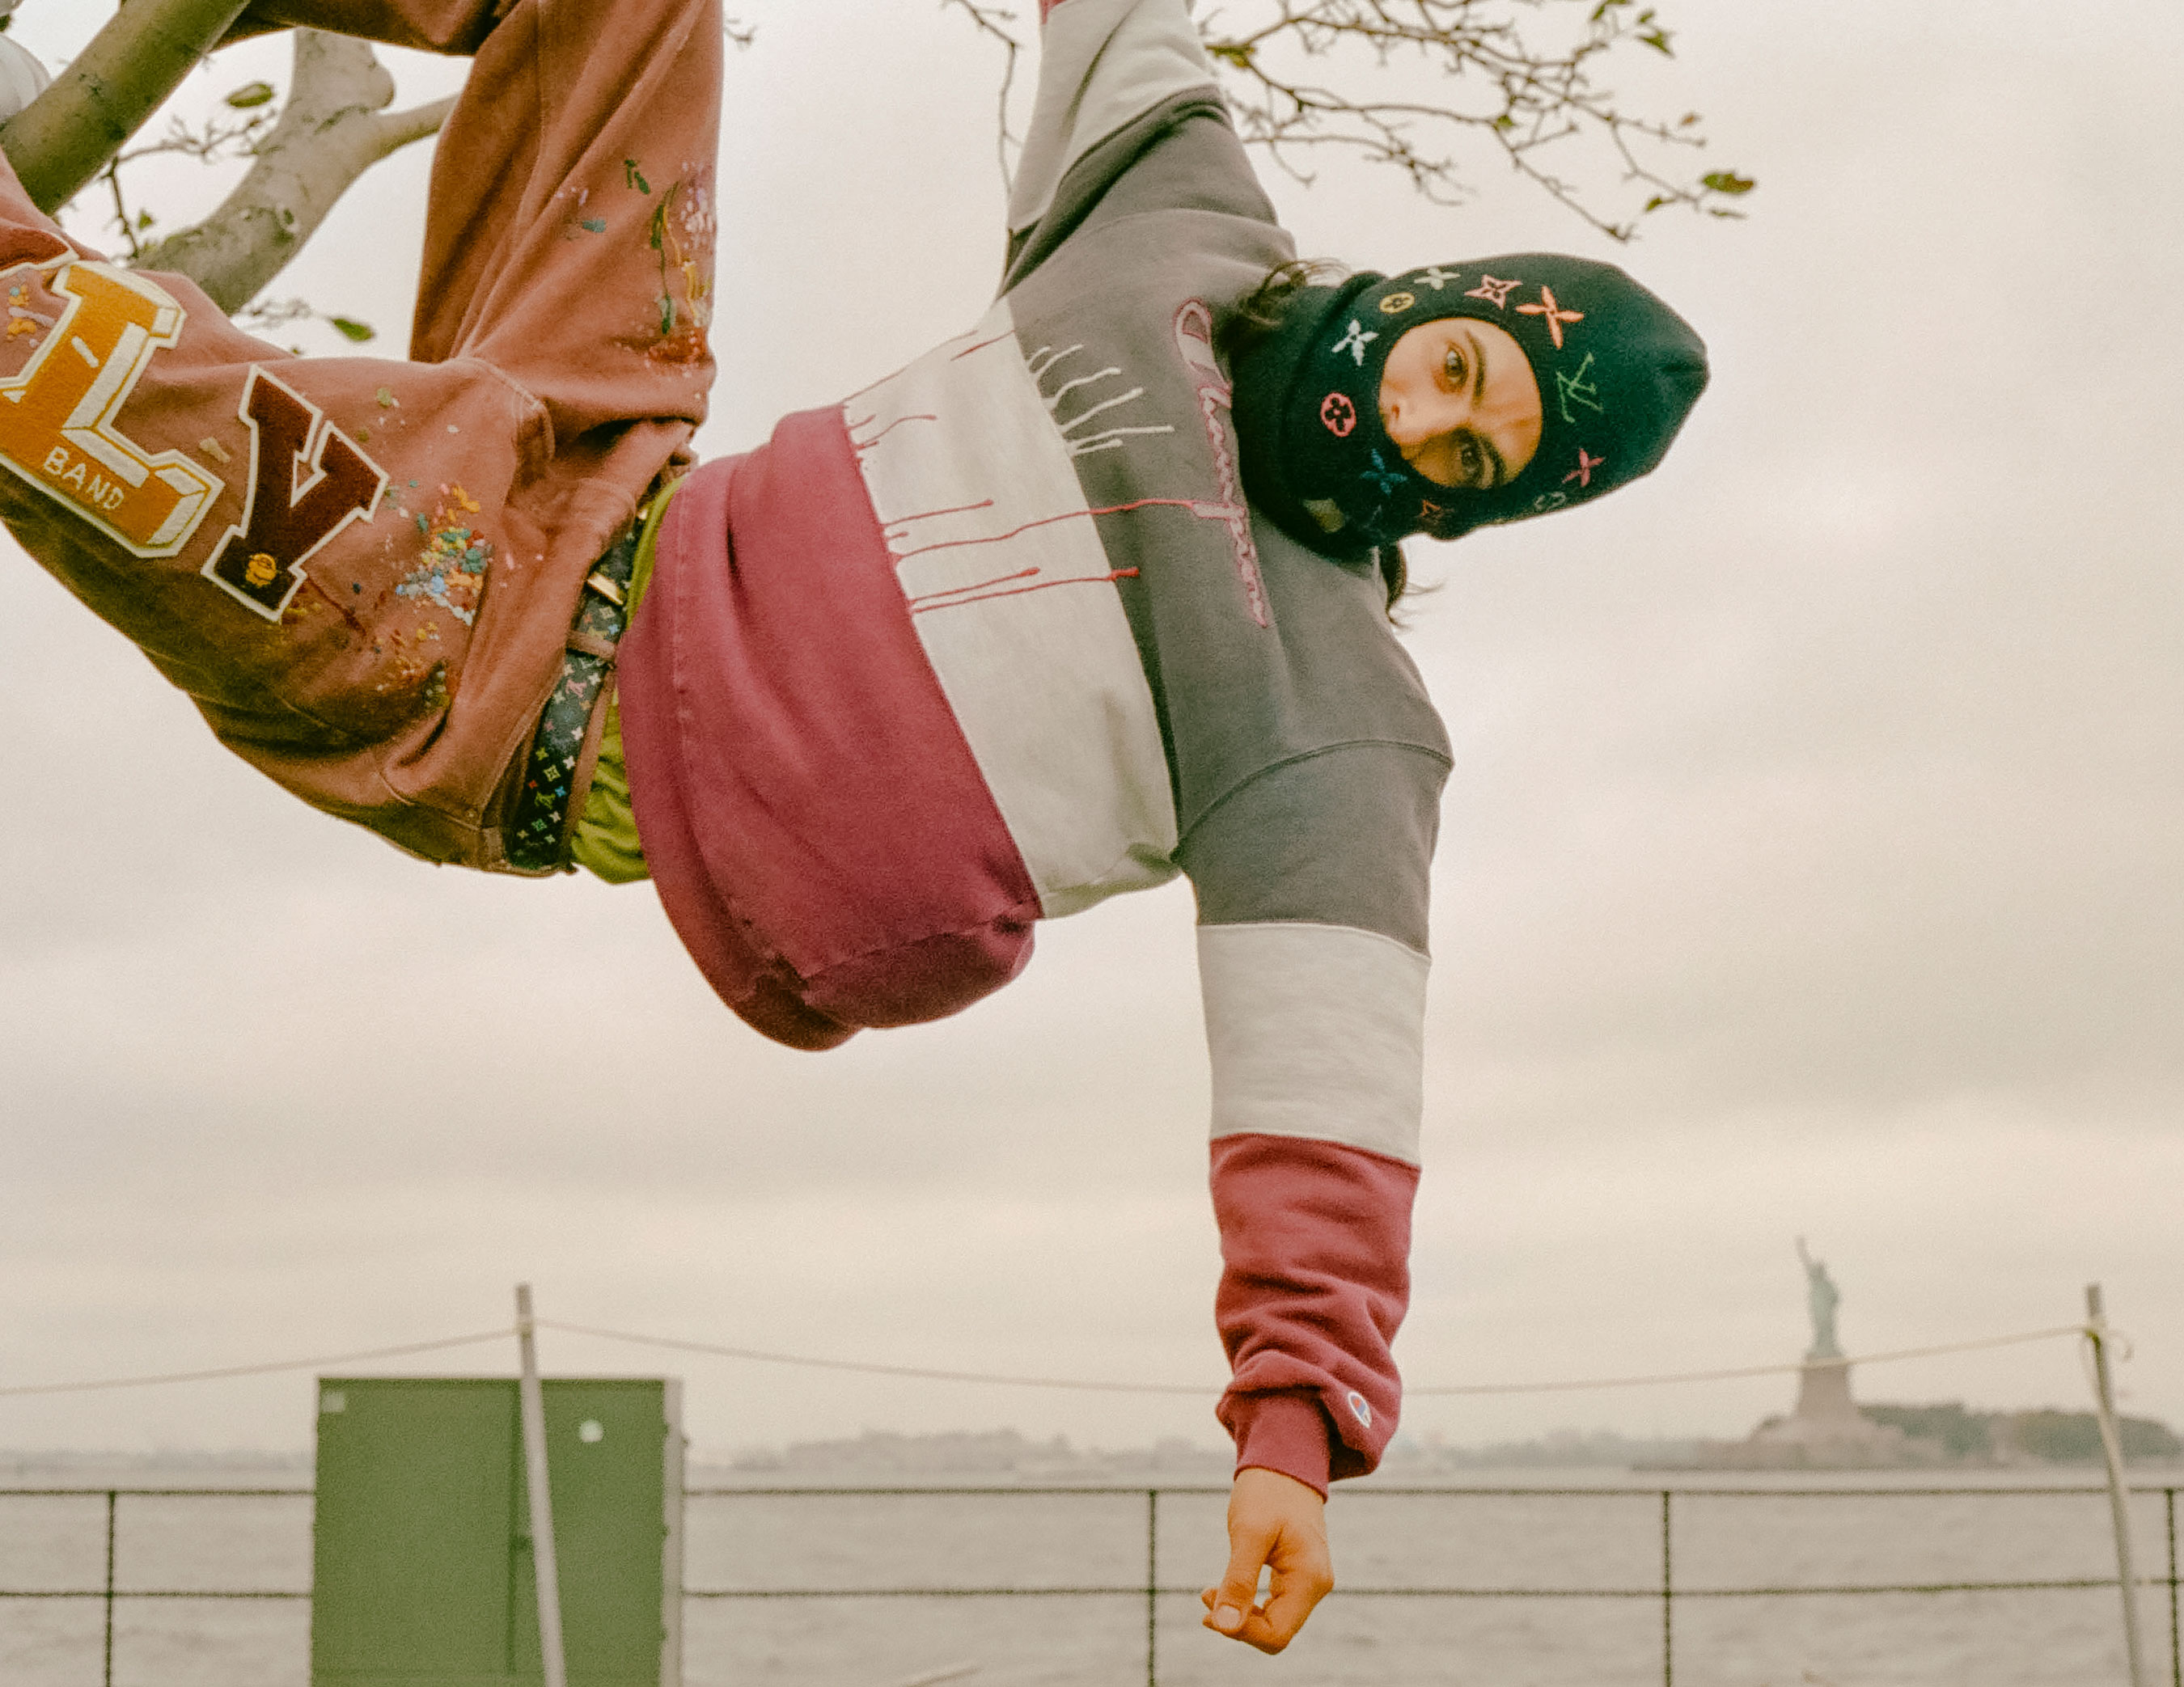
(1276, 1521)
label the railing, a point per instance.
(1664, 1591)
(109, 1592)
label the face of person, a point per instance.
(1458, 400)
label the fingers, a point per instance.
(1279, 1524)
(1231, 1608)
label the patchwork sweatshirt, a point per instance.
(999, 637)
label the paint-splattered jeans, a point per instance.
(365, 571)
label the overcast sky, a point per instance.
(1811, 864)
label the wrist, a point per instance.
(1284, 1432)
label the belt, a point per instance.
(537, 830)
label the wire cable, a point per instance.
(1073, 1384)
(19, 1389)
(1750, 1370)
(924, 1374)
(1202, 1391)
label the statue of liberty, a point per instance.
(1823, 1297)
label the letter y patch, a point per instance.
(308, 481)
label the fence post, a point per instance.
(544, 1569)
(1153, 1587)
(111, 1497)
(1668, 1597)
(2119, 1501)
(2176, 1651)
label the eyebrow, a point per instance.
(1497, 467)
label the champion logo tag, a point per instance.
(1358, 1409)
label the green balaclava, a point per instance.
(1618, 371)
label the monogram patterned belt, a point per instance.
(537, 830)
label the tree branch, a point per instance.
(1509, 93)
(333, 129)
(63, 139)
(990, 21)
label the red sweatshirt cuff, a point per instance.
(1282, 1432)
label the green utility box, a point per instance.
(422, 1564)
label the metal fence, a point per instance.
(1663, 1591)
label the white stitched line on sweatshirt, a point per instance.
(1039, 369)
(1083, 416)
(1109, 440)
(1082, 380)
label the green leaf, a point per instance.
(634, 178)
(350, 329)
(1727, 181)
(1658, 39)
(144, 221)
(251, 95)
(1657, 201)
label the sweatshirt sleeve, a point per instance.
(1311, 886)
(1105, 67)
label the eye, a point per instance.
(1452, 367)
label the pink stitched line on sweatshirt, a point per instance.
(958, 590)
(883, 380)
(1194, 339)
(919, 607)
(927, 515)
(1205, 511)
(867, 444)
(981, 346)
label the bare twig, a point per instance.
(1521, 98)
(1532, 104)
(991, 22)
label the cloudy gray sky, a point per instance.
(1811, 863)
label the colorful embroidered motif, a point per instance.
(1583, 473)
(1437, 278)
(21, 319)
(1356, 341)
(59, 417)
(681, 232)
(1494, 292)
(1555, 314)
(1396, 304)
(1574, 388)
(1340, 414)
(451, 569)
(308, 481)
(1381, 476)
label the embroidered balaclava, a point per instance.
(1618, 370)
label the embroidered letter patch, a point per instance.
(307, 483)
(58, 428)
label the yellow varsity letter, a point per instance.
(58, 428)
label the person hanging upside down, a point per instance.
(1091, 595)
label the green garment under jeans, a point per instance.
(606, 842)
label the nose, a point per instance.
(1410, 419)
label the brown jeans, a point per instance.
(365, 571)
